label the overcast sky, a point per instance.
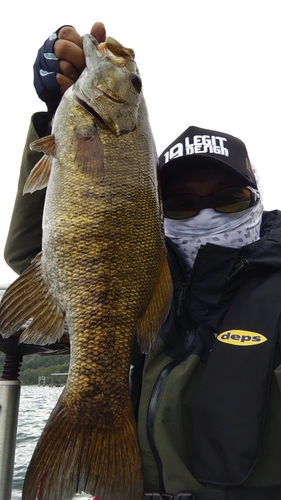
(214, 64)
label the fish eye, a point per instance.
(137, 83)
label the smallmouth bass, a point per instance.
(103, 269)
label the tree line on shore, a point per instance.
(37, 366)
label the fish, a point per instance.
(102, 270)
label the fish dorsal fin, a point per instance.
(39, 175)
(88, 153)
(28, 298)
(45, 144)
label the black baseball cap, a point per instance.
(209, 147)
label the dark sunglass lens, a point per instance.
(181, 206)
(232, 200)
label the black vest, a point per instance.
(230, 407)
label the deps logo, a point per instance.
(241, 337)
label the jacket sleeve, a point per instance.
(25, 231)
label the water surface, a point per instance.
(36, 404)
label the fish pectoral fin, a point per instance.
(45, 144)
(157, 310)
(88, 153)
(39, 175)
(28, 298)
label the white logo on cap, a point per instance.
(201, 144)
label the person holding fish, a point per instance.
(207, 401)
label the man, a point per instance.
(208, 402)
(202, 409)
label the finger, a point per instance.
(99, 32)
(68, 51)
(64, 82)
(68, 70)
(69, 33)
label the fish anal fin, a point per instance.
(88, 153)
(39, 175)
(45, 144)
(157, 310)
(76, 454)
(28, 298)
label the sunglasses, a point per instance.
(226, 201)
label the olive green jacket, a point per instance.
(174, 378)
(25, 231)
(172, 420)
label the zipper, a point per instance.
(193, 273)
(242, 263)
(166, 370)
(153, 404)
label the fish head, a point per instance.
(110, 86)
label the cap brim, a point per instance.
(182, 164)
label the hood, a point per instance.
(267, 250)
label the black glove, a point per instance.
(45, 69)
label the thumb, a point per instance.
(99, 32)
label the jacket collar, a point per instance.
(218, 270)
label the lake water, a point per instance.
(36, 404)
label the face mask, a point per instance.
(229, 230)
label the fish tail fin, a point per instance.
(73, 456)
(28, 297)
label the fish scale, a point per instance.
(103, 269)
